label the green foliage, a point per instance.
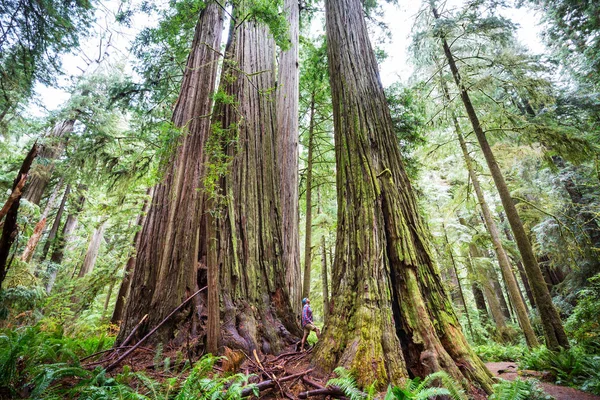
(424, 389)
(519, 390)
(495, 352)
(573, 367)
(583, 324)
(347, 383)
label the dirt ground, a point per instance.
(508, 371)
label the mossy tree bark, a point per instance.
(167, 257)
(10, 228)
(389, 310)
(553, 330)
(256, 307)
(287, 152)
(309, 183)
(50, 150)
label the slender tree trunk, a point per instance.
(325, 280)
(553, 330)
(14, 195)
(34, 239)
(257, 311)
(212, 265)
(57, 255)
(381, 239)
(107, 301)
(497, 287)
(56, 224)
(458, 283)
(92, 251)
(287, 151)
(129, 267)
(51, 149)
(167, 259)
(10, 228)
(309, 182)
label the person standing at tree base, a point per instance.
(307, 322)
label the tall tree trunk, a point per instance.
(56, 224)
(461, 294)
(167, 259)
(58, 253)
(34, 239)
(257, 310)
(287, 151)
(386, 291)
(497, 287)
(553, 330)
(325, 280)
(92, 251)
(10, 228)
(309, 182)
(51, 149)
(117, 315)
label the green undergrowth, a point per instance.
(44, 364)
(519, 390)
(495, 352)
(573, 367)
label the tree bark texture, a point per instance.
(309, 182)
(91, 255)
(117, 315)
(49, 151)
(389, 310)
(256, 306)
(167, 259)
(553, 330)
(10, 228)
(287, 152)
(34, 239)
(56, 224)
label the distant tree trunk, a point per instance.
(309, 182)
(10, 228)
(495, 282)
(553, 330)
(50, 150)
(167, 260)
(257, 311)
(325, 280)
(108, 296)
(490, 294)
(128, 273)
(386, 291)
(58, 253)
(92, 251)
(34, 239)
(287, 151)
(56, 224)
(461, 294)
(213, 323)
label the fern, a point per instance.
(51, 373)
(519, 390)
(417, 389)
(347, 384)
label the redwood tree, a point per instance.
(389, 310)
(167, 254)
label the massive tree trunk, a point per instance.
(93, 249)
(9, 228)
(167, 256)
(553, 330)
(309, 183)
(287, 153)
(56, 224)
(51, 149)
(387, 292)
(117, 315)
(34, 239)
(257, 311)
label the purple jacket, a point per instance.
(307, 317)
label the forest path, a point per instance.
(509, 371)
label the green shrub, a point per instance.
(495, 352)
(583, 324)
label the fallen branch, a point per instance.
(142, 340)
(335, 392)
(279, 357)
(270, 383)
(128, 338)
(16, 193)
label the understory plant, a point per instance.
(529, 389)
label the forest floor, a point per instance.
(509, 371)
